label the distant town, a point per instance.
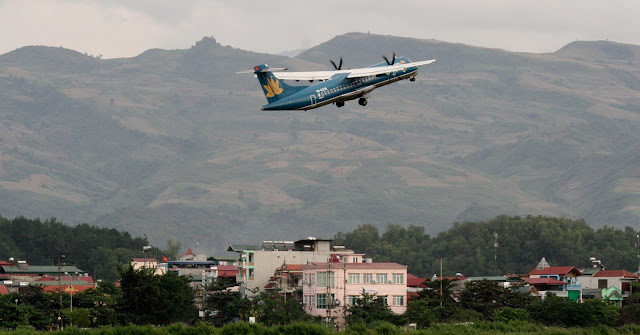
(324, 279)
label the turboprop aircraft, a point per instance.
(335, 86)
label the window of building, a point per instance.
(602, 283)
(309, 279)
(353, 300)
(306, 300)
(322, 301)
(354, 260)
(326, 279)
(367, 278)
(354, 278)
(398, 278)
(381, 278)
(398, 300)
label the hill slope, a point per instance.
(173, 144)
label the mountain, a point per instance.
(173, 144)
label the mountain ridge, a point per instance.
(171, 142)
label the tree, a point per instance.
(222, 305)
(421, 313)
(371, 308)
(151, 299)
(272, 309)
(483, 296)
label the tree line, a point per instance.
(468, 247)
(44, 242)
(144, 298)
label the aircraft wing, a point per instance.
(352, 73)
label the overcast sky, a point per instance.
(126, 28)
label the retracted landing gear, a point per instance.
(362, 101)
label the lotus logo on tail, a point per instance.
(273, 88)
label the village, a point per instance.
(324, 279)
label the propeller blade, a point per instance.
(393, 59)
(337, 67)
(386, 59)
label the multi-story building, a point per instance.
(330, 288)
(259, 262)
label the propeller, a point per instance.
(337, 67)
(393, 59)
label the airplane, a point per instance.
(335, 86)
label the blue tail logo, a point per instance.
(273, 88)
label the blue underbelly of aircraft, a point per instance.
(332, 91)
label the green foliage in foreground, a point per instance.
(242, 328)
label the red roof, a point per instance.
(315, 265)
(412, 295)
(554, 270)
(543, 281)
(294, 267)
(616, 274)
(5, 263)
(76, 288)
(270, 285)
(4, 289)
(413, 281)
(188, 253)
(45, 278)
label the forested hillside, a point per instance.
(95, 250)
(468, 247)
(173, 144)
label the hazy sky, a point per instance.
(126, 28)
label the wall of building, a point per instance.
(343, 288)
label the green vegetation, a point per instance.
(468, 246)
(45, 242)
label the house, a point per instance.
(259, 262)
(414, 285)
(150, 263)
(16, 275)
(329, 288)
(595, 283)
(559, 280)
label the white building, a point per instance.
(259, 262)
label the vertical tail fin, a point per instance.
(273, 87)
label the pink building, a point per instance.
(330, 288)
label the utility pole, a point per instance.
(60, 280)
(441, 293)
(495, 253)
(638, 246)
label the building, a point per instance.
(602, 281)
(560, 280)
(16, 275)
(149, 263)
(259, 262)
(329, 288)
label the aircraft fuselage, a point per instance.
(339, 89)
